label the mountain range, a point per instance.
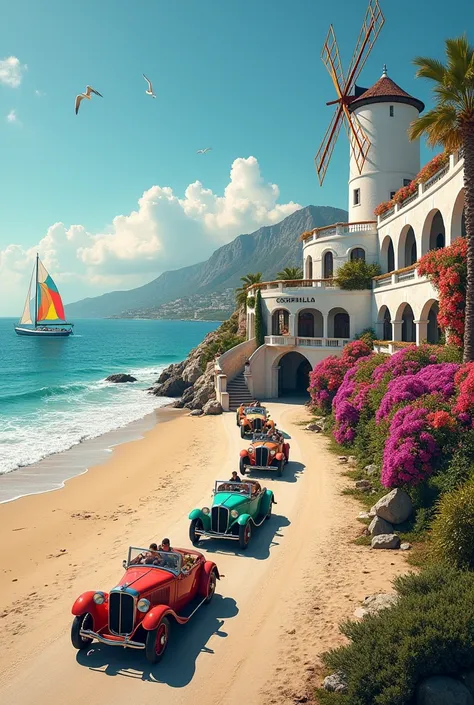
(268, 250)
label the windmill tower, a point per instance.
(382, 158)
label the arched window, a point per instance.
(410, 248)
(328, 267)
(280, 322)
(434, 332)
(310, 324)
(309, 267)
(341, 325)
(358, 253)
(437, 232)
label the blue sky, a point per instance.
(243, 77)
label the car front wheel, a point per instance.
(281, 467)
(157, 641)
(193, 536)
(243, 462)
(84, 621)
(242, 431)
(245, 534)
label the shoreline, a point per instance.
(56, 469)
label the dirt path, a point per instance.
(276, 609)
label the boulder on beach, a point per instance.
(212, 408)
(389, 541)
(173, 387)
(373, 604)
(395, 507)
(335, 683)
(119, 378)
(379, 526)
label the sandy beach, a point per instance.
(275, 611)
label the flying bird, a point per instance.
(150, 87)
(203, 151)
(87, 95)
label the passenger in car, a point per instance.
(235, 477)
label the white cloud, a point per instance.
(164, 232)
(12, 117)
(11, 71)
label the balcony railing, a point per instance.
(398, 275)
(295, 341)
(435, 178)
(338, 229)
(281, 284)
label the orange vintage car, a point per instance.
(253, 419)
(266, 452)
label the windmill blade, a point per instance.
(373, 23)
(332, 61)
(326, 149)
(358, 139)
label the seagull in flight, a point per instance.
(203, 151)
(150, 87)
(86, 95)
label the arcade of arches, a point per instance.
(293, 374)
(406, 329)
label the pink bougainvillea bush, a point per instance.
(464, 406)
(327, 375)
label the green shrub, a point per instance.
(430, 631)
(356, 274)
(259, 322)
(460, 466)
(367, 336)
(221, 345)
(251, 302)
(453, 528)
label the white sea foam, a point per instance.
(69, 417)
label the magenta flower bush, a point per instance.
(327, 376)
(406, 388)
(411, 450)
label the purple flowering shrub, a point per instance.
(410, 450)
(438, 377)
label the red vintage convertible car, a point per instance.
(157, 588)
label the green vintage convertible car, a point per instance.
(236, 509)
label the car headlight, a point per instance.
(143, 605)
(273, 452)
(205, 510)
(250, 450)
(99, 598)
(234, 513)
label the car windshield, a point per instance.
(255, 410)
(166, 560)
(262, 437)
(244, 488)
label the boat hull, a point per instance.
(38, 333)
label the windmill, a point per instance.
(359, 141)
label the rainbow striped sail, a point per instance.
(43, 306)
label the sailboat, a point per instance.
(43, 315)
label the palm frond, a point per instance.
(436, 125)
(429, 68)
(459, 54)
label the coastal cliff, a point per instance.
(192, 380)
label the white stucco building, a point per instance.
(310, 319)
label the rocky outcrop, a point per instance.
(212, 408)
(372, 469)
(193, 379)
(395, 507)
(119, 378)
(335, 683)
(441, 690)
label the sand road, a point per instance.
(274, 611)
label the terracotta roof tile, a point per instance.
(386, 88)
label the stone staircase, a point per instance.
(238, 392)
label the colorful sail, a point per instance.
(50, 305)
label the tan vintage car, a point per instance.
(266, 452)
(253, 419)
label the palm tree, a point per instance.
(451, 124)
(241, 292)
(290, 273)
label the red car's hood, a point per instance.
(142, 578)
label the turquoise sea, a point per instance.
(53, 393)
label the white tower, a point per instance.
(384, 112)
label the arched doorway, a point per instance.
(328, 266)
(338, 323)
(390, 257)
(385, 319)
(410, 248)
(309, 267)
(437, 232)
(387, 255)
(458, 218)
(293, 378)
(434, 331)
(358, 253)
(310, 324)
(408, 325)
(280, 322)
